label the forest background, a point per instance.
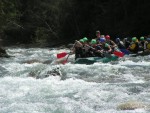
(56, 22)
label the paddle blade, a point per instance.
(118, 54)
(61, 55)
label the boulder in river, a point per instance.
(3, 53)
(38, 75)
(32, 61)
(132, 105)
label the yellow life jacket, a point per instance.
(132, 46)
(148, 46)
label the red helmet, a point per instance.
(107, 37)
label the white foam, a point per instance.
(97, 88)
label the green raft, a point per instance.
(91, 60)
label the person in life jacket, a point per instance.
(95, 50)
(120, 44)
(86, 43)
(110, 42)
(85, 39)
(134, 46)
(126, 42)
(102, 36)
(142, 44)
(86, 47)
(98, 42)
(78, 49)
(105, 46)
(147, 48)
(98, 35)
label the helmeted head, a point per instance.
(142, 38)
(134, 39)
(81, 40)
(102, 36)
(98, 33)
(93, 41)
(85, 39)
(117, 40)
(107, 37)
(102, 40)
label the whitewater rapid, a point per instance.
(31, 83)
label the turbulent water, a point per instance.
(32, 83)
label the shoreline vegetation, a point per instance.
(52, 23)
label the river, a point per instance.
(31, 83)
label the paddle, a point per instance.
(64, 62)
(61, 55)
(69, 54)
(118, 54)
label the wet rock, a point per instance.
(48, 62)
(37, 61)
(42, 77)
(53, 72)
(32, 61)
(32, 74)
(3, 53)
(131, 105)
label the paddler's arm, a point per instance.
(77, 44)
(109, 49)
(145, 45)
(114, 44)
(108, 46)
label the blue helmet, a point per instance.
(102, 39)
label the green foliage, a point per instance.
(34, 21)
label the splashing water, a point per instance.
(31, 83)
